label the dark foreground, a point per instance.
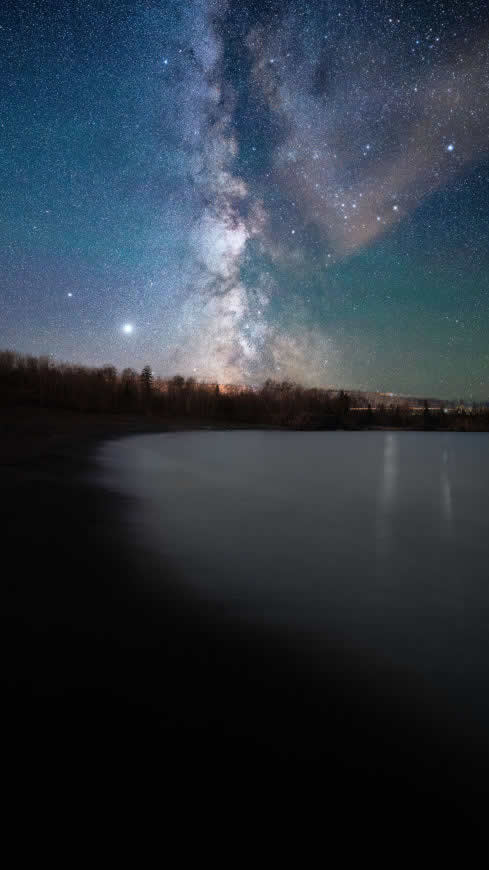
(118, 682)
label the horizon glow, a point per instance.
(274, 189)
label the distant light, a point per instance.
(70, 294)
(127, 328)
(395, 208)
(451, 147)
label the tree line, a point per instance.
(30, 380)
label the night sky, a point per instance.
(240, 190)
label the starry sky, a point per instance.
(242, 189)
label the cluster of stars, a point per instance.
(247, 190)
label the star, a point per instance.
(169, 199)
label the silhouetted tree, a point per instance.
(343, 404)
(30, 380)
(146, 378)
(129, 387)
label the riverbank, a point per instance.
(108, 662)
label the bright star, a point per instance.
(127, 328)
(451, 147)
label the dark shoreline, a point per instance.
(99, 666)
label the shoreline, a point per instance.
(31, 432)
(97, 660)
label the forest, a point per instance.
(40, 381)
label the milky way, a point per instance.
(242, 190)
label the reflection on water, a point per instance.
(389, 470)
(389, 500)
(387, 493)
(446, 490)
(352, 534)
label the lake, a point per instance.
(377, 541)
